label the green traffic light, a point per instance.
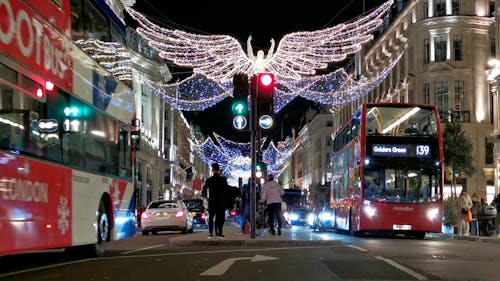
(239, 107)
(71, 111)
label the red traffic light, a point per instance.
(266, 79)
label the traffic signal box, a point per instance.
(262, 87)
(240, 101)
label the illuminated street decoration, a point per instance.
(298, 55)
(110, 55)
(216, 58)
(234, 157)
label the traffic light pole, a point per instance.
(252, 124)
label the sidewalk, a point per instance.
(290, 237)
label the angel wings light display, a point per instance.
(216, 58)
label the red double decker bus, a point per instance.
(388, 171)
(66, 169)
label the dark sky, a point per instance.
(263, 20)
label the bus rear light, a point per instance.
(39, 93)
(49, 86)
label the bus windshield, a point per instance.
(400, 121)
(395, 185)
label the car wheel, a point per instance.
(144, 232)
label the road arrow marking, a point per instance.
(224, 265)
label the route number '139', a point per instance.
(423, 150)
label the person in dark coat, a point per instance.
(214, 189)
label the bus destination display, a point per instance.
(402, 150)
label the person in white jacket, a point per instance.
(271, 195)
(464, 203)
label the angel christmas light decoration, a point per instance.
(216, 58)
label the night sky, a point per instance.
(263, 20)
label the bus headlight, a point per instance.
(369, 210)
(432, 213)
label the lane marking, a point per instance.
(223, 266)
(357, 248)
(403, 268)
(143, 249)
(161, 255)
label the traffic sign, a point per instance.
(266, 121)
(239, 122)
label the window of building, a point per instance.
(459, 95)
(427, 99)
(440, 48)
(492, 8)
(455, 7)
(493, 50)
(441, 93)
(489, 152)
(426, 9)
(457, 47)
(440, 6)
(426, 51)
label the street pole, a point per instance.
(253, 197)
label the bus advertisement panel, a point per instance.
(388, 170)
(66, 160)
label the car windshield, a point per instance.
(164, 204)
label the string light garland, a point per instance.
(110, 55)
(234, 158)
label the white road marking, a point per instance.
(143, 249)
(223, 266)
(403, 268)
(357, 248)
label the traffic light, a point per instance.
(263, 92)
(259, 170)
(240, 103)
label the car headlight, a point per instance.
(325, 216)
(294, 217)
(310, 219)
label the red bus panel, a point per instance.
(33, 40)
(35, 205)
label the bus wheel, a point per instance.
(103, 227)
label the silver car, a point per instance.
(166, 215)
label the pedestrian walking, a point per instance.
(214, 189)
(244, 207)
(464, 204)
(271, 195)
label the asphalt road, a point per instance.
(151, 258)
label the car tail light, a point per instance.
(203, 216)
(179, 214)
(233, 213)
(144, 216)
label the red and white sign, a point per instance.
(35, 205)
(34, 41)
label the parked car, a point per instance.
(166, 215)
(197, 210)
